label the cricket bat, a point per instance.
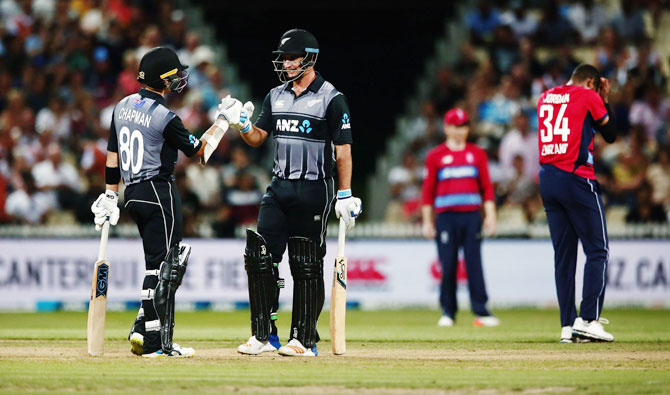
(338, 299)
(97, 308)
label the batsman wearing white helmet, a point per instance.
(310, 122)
(144, 138)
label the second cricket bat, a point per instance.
(97, 308)
(338, 299)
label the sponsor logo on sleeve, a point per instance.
(346, 124)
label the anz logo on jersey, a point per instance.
(346, 124)
(293, 125)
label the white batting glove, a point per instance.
(229, 110)
(245, 117)
(106, 208)
(348, 207)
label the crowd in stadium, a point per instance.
(65, 63)
(63, 66)
(514, 54)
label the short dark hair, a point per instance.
(585, 71)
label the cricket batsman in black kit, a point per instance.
(142, 150)
(310, 122)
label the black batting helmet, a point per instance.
(160, 68)
(296, 42)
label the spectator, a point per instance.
(244, 198)
(520, 141)
(26, 205)
(587, 18)
(128, 78)
(652, 112)
(482, 21)
(607, 51)
(554, 29)
(521, 190)
(240, 162)
(406, 179)
(523, 24)
(55, 118)
(630, 170)
(447, 89)
(629, 22)
(645, 210)
(658, 177)
(504, 51)
(499, 108)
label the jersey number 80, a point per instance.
(130, 143)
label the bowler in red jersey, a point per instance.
(569, 117)
(455, 187)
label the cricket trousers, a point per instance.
(456, 230)
(294, 208)
(575, 212)
(155, 206)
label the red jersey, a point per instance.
(456, 180)
(567, 115)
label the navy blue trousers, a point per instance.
(575, 212)
(455, 230)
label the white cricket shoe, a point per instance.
(177, 352)
(488, 320)
(254, 347)
(295, 349)
(136, 343)
(566, 335)
(445, 320)
(592, 330)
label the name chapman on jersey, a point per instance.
(139, 117)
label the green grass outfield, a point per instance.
(388, 352)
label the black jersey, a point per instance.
(146, 135)
(306, 129)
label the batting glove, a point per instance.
(229, 110)
(348, 207)
(245, 117)
(105, 208)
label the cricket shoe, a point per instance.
(568, 336)
(295, 349)
(177, 352)
(488, 320)
(592, 330)
(445, 320)
(254, 347)
(136, 343)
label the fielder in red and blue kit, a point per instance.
(568, 119)
(455, 187)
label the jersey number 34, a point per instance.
(129, 145)
(560, 126)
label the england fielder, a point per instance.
(569, 117)
(144, 137)
(311, 124)
(456, 186)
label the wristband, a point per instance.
(343, 194)
(112, 175)
(113, 195)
